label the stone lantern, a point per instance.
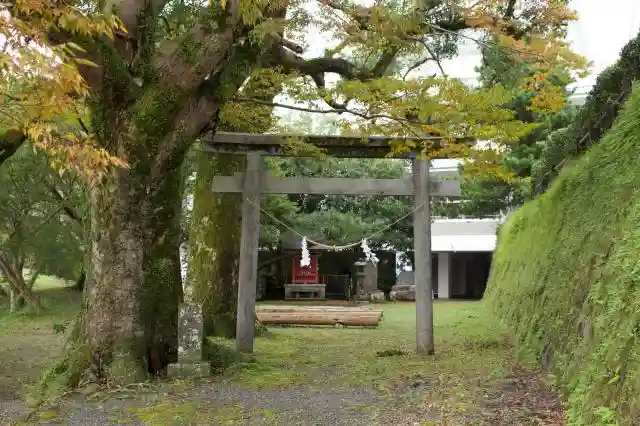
(366, 281)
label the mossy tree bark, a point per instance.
(163, 281)
(215, 244)
(214, 241)
(133, 284)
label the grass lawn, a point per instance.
(313, 375)
(28, 342)
(350, 356)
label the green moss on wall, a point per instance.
(566, 277)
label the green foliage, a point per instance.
(487, 196)
(565, 277)
(221, 356)
(339, 219)
(40, 216)
(594, 119)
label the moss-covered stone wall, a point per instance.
(566, 277)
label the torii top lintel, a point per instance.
(337, 146)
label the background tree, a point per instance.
(341, 220)
(214, 241)
(593, 119)
(485, 196)
(40, 228)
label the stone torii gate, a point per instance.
(255, 181)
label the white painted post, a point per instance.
(422, 261)
(444, 275)
(247, 277)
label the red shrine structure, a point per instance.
(306, 282)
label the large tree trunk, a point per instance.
(214, 244)
(132, 291)
(133, 287)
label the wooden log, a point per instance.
(371, 318)
(334, 312)
(319, 312)
(318, 320)
(319, 306)
(376, 314)
(315, 308)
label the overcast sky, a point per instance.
(603, 29)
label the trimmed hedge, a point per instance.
(566, 277)
(594, 119)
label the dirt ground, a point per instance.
(303, 376)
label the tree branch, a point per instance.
(20, 265)
(67, 208)
(208, 50)
(34, 231)
(385, 61)
(415, 66)
(511, 8)
(360, 14)
(317, 67)
(131, 11)
(289, 44)
(32, 279)
(486, 44)
(403, 121)
(199, 113)
(363, 17)
(15, 278)
(423, 61)
(7, 269)
(10, 141)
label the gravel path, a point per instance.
(523, 399)
(224, 403)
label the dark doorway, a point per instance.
(469, 274)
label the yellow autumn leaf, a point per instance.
(82, 61)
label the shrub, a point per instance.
(594, 119)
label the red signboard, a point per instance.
(306, 274)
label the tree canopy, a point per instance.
(42, 90)
(493, 195)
